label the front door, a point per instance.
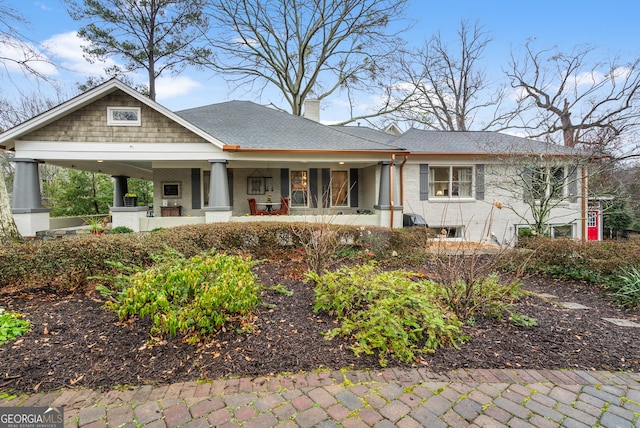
(593, 226)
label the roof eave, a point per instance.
(239, 149)
(87, 98)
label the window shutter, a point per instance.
(573, 185)
(527, 175)
(326, 192)
(313, 187)
(480, 181)
(424, 182)
(284, 182)
(230, 181)
(195, 189)
(353, 186)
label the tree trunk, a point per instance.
(8, 230)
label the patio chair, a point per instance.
(253, 207)
(284, 207)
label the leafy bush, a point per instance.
(120, 229)
(625, 287)
(193, 296)
(385, 312)
(566, 258)
(12, 325)
(483, 295)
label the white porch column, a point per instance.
(219, 209)
(26, 206)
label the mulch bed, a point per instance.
(75, 342)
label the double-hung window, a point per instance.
(450, 181)
(548, 183)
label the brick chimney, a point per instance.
(312, 109)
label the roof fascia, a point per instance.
(559, 155)
(87, 98)
(238, 149)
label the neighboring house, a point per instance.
(206, 163)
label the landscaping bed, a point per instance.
(75, 342)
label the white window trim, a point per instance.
(115, 122)
(551, 227)
(447, 198)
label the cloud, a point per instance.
(43, 6)
(67, 49)
(171, 87)
(16, 52)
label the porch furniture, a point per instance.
(253, 207)
(284, 207)
(173, 211)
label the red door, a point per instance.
(593, 229)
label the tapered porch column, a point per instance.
(26, 205)
(389, 191)
(120, 188)
(219, 208)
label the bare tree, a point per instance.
(540, 186)
(153, 35)
(584, 100)
(304, 48)
(446, 88)
(16, 51)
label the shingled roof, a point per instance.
(474, 142)
(252, 126)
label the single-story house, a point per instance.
(206, 163)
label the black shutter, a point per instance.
(326, 192)
(424, 182)
(196, 202)
(480, 181)
(313, 187)
(230, 182)
(573, 185)
(353, 186)
(284, 182)
(527, 175)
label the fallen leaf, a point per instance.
(76, 380)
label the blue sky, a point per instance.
(611, 26)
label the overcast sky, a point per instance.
(612, 26)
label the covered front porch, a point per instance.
(365, 193)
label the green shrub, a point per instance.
(567, 258)
(385, 312)
(12, 325)
(485, 295)
(625, 287)
(194, 296)
(120, 229)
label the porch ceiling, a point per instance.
(134, 169)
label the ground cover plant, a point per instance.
(12, 325)
(386, 312)
(192, 296)
(74, 341)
